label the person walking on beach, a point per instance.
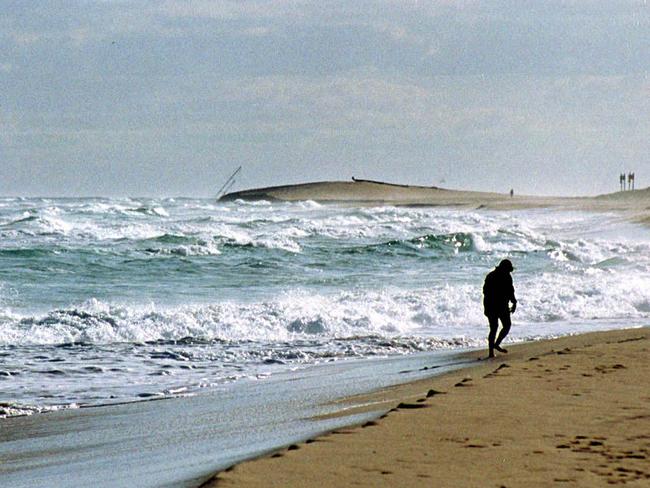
(498, 293)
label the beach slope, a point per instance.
(568, 412)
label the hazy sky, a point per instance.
(168, 97)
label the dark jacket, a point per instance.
(497, 292)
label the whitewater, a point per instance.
(125, 299)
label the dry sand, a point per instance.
(568, 412)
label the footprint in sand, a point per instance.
(494, 373)
(431, 393)
(604, 369)
(410, 405)
(475, 445)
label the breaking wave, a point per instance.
(139, 298)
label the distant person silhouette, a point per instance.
(498, 292)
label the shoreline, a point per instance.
(572, 411)
(182, 441)
(236, 432)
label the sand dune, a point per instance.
(364, 191)
(372, 192)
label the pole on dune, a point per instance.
(227, 189)
(228, 184)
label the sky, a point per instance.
(168, 97)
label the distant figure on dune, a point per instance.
(512, 193)
(498, 292)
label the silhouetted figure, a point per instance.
(621, 179)
(512, 193)
(630, 181)
(498, 293)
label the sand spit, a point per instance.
(568, 412)
(376, 192)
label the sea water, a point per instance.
(113, 300)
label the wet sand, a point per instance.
(183, 441)
(568, 412)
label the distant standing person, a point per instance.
(498, 293)
(512, 193)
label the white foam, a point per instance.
(445, 311)
(359, 282)
(309, 204)
(597, 270)
(252, 203)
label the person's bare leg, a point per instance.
(505, 328)
(494, 325)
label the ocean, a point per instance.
(128, 299)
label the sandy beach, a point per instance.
(574, 411)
